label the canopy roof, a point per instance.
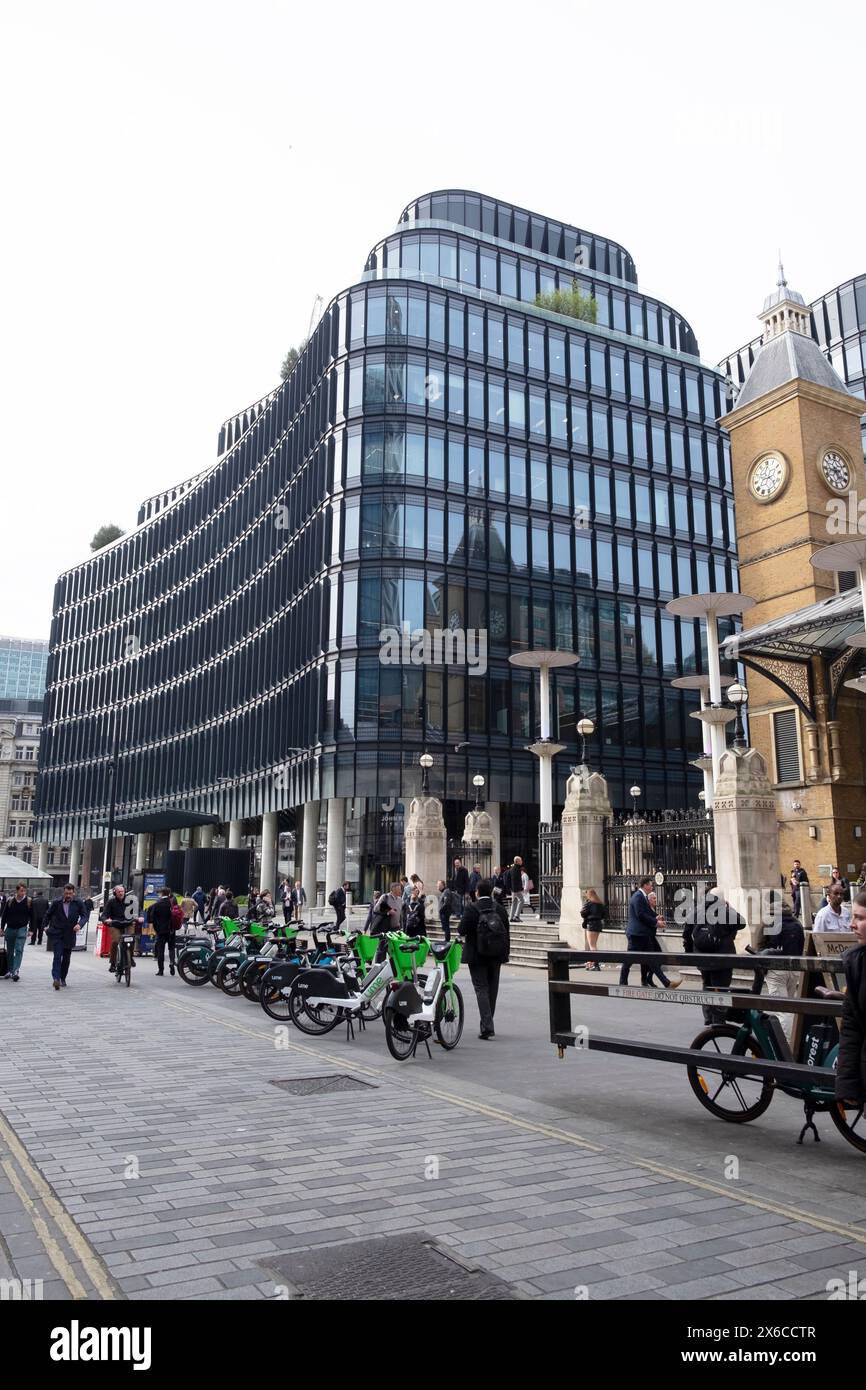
(22, 872)
(823, 629)
(151, 822)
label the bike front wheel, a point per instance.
(314, 1021)
(449, 1017)
(726, 1094)
(399, 1035)
(851, 1124)
(127, 969)
(192, 969)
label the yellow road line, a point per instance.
(850, 1233)
(77, 1242)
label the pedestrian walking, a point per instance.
(459, 883)
(444, 907)
(487, 945)
(16, 920)
(851, 1064)
(474, 880)
(498, 882)
(264, 910)
(338, 900)
(657, 947)
(37, 925)
(298, 900)
(641, 927)
(165, 916)
(200, 901)
(710, 927)
(228, 907)
(63, 921)
(784, 936)
(593, 914)
(798, 877)
(515, 886)
(836, 916)
(416, 912)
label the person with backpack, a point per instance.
(487, 946)
(17, 920)
(166, 918)
(783, 936)
(851, 1065)
(416, 912)
(710, 927)
(337, 900)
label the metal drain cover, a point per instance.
(323, 1085)
(388, 1268)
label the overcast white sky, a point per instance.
(182, 178)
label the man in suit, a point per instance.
(641, 933)
(63, 921)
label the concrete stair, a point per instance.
(531, 940)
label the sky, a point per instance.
(182, 179)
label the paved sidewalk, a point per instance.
(150, 1114)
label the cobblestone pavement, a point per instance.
(145, 1154)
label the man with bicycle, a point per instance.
(114, 916)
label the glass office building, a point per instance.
(23, 665)
(448, 456)
(838, 322)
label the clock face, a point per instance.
(836, 471)
(768, 477)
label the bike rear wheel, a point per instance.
(314, 1021)
(127, 969)
(449, 1017)
(851, 1124)
(228, 978)
(192, 969)
(728, 1096)
(399, 1035)
(251, 982)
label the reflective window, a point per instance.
(645, 570)
(456, 327)
(516, 408)
(598, 371)
(435, 532)
(600, 443)
(681, 513)
(556, 348)
(488, 271)
(376, 316)
(476, 397)
(540, 548)
(558, 420)
(498, 551)
(476, 332)
(675, 395)
(496, 462)
(577, 361)
(604, 560)
(456, 395)
(666, 574)
(414, 526)
(642, 501)
(617, 371)
(456, 478)
(562, 553)
(518, 544)
(508, 274)
(494, 338)
(515, 346)
(496, 403)
(436, 458)
(436, 313)
(535, 339)
(678, 456)
(622, 500)
(537, 414)
(583, 557)
(585, 630)
(448, 260)
(659, 443)
(628, 634)
(625, 564)
(429, 260)
(620, 433)
(456, 534)
(607, 631)
(468, 263)
(559, 475)
(656, 389)
(350, 608)
(417, 317)
(635, 378)
(517, 473)
(538, 479)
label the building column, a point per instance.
(205, 837)
(174, 840)
(586, 812)
(309, 850)
(86, 863)
(42, 862)
(236, 834)
(270, 831)
(75, 862)
(141, 852)
(335, 851)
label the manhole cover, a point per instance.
(392, 1267)
(322, 1085)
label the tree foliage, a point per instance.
(105, 535)
(290, 361)
(573, 302)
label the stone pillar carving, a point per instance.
(746, 835)
(833, 726)
(813, 752)
(426, 845)
(586, 812)
(478, 830)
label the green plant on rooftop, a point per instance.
(573, 302)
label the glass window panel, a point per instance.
(518, 544)
(556, 349)
(516, 408)
(347, 700)
(436, 457)
(628, 635)
(392, 528)
(374, 452)
(577, 361)
(620, 434)
(681, 513)
(607, 631)
(642, 501)
(675, 394)
(414, 455)
(562, 618)
(498, 551)
(598, 371)
(528, 280)
(622, 500)
(602, 494)
(350, 608)
(395, 451)
(447, 259)
(520, 696)
(476, 332)
(600, 444)
(520, 621)
(663, 508)
(515, 346)
(558, 421)
(617, 371)
(434, 720)
(562, 553)
(456, 534)
(659, 442)
(537, 414)
(585, 614)
(435, 531)
(429, 260)
(496, 463)
(488, 271)
(692, 397)
(669, 645)
(376, 316)
(416, 384)
(412, 687)
(649, 646)
(496, 403)
(353, 518)
(417, 317)
(540, 556)
(456, 606)
(687, 645)
(456, 395)
(415, 526)
(353, 457)
(494, 338)
(559, 476)
(541, 624)
(456, 478)
(666, 575)
(456, 326)
(500, 699)
(374, 384)
(656, 388)
(508, 275)
(436, 312)
(535, 338)
(538, 479)
(604, 559)
(619, 322)
(699, 514)
(413, 600)
(678, 458)
(645, 569)
(476, 466)
(370, 601)
(684, 572)
(635, 378)
(477, 546)
(368, 700)
(434, 603)
(702, 565)
(396, 313)
(583, 557)
(468, 263)
(625, 563)
(358, 317)
(579, 427)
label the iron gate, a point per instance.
(549, 870)
(677, 845)
(482, 855)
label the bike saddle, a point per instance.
(439, 949)
(411, 946)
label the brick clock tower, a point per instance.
(796, 455)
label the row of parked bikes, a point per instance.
(317, 982)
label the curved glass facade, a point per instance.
(838, 322)
(447, 458)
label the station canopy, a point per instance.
(152, 822)
(823, 629)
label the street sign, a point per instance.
(717, 999)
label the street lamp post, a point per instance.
(586, 729)
(545, 749)
(426, 762)
(112, 806)
(634, 793)
(738, 696)
(478, 783)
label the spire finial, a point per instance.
(781, 282)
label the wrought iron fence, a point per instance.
(482, 855)
(675, 847)
(549, 870)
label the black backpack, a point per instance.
(332, 897)
(491, 935)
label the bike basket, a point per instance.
(230, 925)
(365, 948)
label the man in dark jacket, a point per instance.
(851, 1066)
(640, 929)
(474, 880)
(114, 914)
(514, 878)
(486, 949)
(63, 921)
(200, 900)
(460, 883)
(710, 927)
(37, 925)
(784, 936)
(16, 919)
(159, 916)
(338, 900)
